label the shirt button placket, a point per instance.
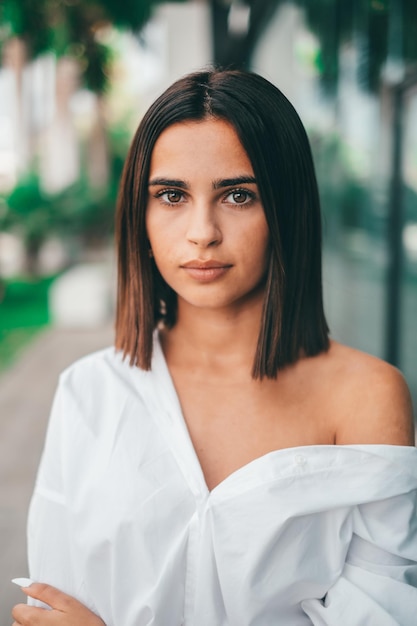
(191, 569)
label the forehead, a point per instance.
(207, 145)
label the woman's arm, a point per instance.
(65, 610)
(51, 555)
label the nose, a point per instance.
(203, 228)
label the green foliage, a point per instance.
(29, 211)
(25, 303)
(80, 212)
(70, 27)
(348, 201)
(379, 28)
(23, 313)
(344, 196)
(84, 213)
(128, 14)
(27, 19)
(79, 24)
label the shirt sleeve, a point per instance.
(49, 538)
(378, 585)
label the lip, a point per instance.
(205, 271)
(199, 264)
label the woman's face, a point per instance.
(205, 221)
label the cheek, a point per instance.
(150, 225)
(162, 228)
(258, 241)
(157, 233)
(161, 242)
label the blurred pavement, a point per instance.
(26, 392)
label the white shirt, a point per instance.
(122, 519)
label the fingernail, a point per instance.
(22, 582)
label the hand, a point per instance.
(66, 611)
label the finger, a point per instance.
(55, 598)
(17, 612)
(25, 615)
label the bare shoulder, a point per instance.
(372, 401)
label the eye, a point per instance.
(240, 196)
(170, 196)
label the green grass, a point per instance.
(23, 313)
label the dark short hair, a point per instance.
(272, 134)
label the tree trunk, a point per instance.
(234, 44)
(60, 162)
(15, 59)
(97, 149)
(33, 245)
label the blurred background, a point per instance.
(75, 78)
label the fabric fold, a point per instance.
(323, 535)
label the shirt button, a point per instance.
(300, 459)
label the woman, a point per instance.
(227, 464)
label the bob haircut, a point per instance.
(293, 322)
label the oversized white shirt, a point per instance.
(122, 519)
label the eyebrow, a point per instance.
(217, 184)
(168, 182)
(232, 182)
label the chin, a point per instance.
(210, 302)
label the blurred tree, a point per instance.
(382, 30)
(31, 214)
(77, 213)
(80, 213)
(28, 20)
(340, 187)
(74, 29)
(70, 27)
(237, 28)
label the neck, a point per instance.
(221, 339)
